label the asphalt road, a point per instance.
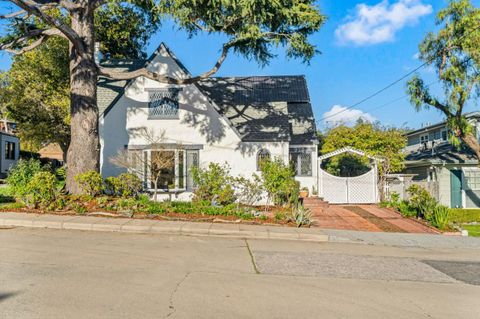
(76, 274)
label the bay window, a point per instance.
(171, 168)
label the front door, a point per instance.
(456, 188)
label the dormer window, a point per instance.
(163, 104)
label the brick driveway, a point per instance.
(366, 218)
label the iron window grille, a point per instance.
(163, 104)
(301, 160)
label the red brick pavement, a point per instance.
(338, 217)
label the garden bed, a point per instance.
(174, 211)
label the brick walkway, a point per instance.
(366, 218)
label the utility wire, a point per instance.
(391, 84)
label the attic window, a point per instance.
(163, 104)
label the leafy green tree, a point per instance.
(35, 95)
(251, 28)
(386, 143)
(454, 52)
(35, 91)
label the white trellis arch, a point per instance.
(361, 189)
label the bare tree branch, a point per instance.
(163, 78)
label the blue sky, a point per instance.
(365, 46)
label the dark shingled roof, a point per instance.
(444, 152)
(108, 90)
(264, 108)
(260, 108)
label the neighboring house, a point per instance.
(452, 175)
(52, 153)
(234, 120)
(9, 151)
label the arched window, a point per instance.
(262, 156)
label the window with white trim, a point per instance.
(172, 167)
(472, 179)
(301, 161)
(163, 104)
(423, 138)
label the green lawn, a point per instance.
(460, 216)
(473, 230)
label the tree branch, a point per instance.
(13, 14)
(44, 34)
(34, 8)
(163, 78)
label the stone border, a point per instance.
(147, 226)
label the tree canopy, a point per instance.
(454, 52)
(373, 139)
(35, 91)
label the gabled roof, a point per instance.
(260, 108)
(264, 108)
(108, 90)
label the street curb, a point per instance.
(146, 226)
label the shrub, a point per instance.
(461, 215)
(112, 185)
(41, 190)
(90, 182)
(405, 209)
(156, 208)
(249, 191)
(21, 174)
(279, 182)
(421, 201)
(129, 185)
(440, 217)
(213, 184)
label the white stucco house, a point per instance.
(234, 120)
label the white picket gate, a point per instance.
(361, 189)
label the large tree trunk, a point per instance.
(471, 141)
(84, 150)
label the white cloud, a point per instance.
(379, 23)
(341, 115)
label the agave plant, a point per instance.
(301, 216)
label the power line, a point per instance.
(391, 84)
(397, 99)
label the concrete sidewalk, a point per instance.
(149, 226)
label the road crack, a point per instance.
(252, 258)
(172, 295)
